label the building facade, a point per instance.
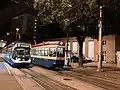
(110, 46)
(24, 23)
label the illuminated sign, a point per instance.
(24, 45)
(61, 43)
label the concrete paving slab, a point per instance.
(8, 82)
(2, 67)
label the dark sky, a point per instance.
(8, 10)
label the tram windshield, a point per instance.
(60, 52)
(22, 51)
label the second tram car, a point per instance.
(48, 54)
(18, 54)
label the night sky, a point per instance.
(8, 10)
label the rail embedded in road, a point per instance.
(46, 82)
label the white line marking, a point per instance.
(7, 69)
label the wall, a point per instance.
(110, 55)
(95, 50)
(117, 46)
(109, 48)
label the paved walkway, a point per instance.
(86, 78)
(109, 79)
(95, 64)
(7, 81)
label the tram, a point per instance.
(18, 54)
(48, 54)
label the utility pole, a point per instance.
(100, 41)
(66, 53)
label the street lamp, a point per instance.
(1, 40)
(8, 33)
(17, 30)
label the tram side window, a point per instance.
(42, 52)
(52, 52)
(46, 51)
(60, 52)
(34, 52)
(39, 52)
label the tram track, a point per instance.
(45, 82)
(107, 76)
(98, 80)
(101, 79)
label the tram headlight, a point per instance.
(18, 59)
(54, 63)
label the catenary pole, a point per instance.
(100, 41)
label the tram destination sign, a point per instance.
(24, 45)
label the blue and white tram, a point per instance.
(48, 54)
(18, 54)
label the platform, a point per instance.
(7, 81)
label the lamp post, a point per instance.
(66, 53)
(17, 30)
(100, 41)
(67, 62)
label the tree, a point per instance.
(67, 12)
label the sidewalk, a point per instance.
(109, 79)
(7, 81)
(95, 64)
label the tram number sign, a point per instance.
(23, 45)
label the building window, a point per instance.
(104, 52)
(104, 55)
(104, 42)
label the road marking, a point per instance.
(8, 69)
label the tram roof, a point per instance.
(13, 43)
(49, 43)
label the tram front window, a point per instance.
(60, 52)
(22, 51)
